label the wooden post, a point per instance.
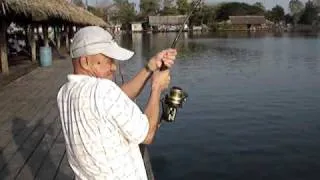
(45, 35)
(27, 36)
(71, 32)
(66, 29)
(3, 46)
(58, 36)
(33, 45)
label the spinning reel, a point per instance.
(172, 102)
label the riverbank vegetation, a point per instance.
(211, 15)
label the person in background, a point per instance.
(102, 125)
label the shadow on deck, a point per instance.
(36, 152)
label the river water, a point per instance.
(253, 106)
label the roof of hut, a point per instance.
(247, 19)
(166, 20)
(48, 10)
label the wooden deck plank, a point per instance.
(64, 171)
(30, 98)
(29, 140)
(40, 101)
(14, 129)
(28, 108)
(18, 159)
(29, 101)
(20, 100)
(53, 162)
(42, 109)
(9, 110)
(26, 132)
(34, 161)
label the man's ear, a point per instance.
(84, 63)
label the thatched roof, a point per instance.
(247, 20)
(47, 10)
(166, 20)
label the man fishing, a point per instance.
(102, 126)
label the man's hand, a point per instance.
(166, 57)
(160, 80)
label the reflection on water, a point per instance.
(253, 107)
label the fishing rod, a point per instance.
(195, 5)
(176, 96)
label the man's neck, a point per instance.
(82, 72)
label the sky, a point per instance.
(267, 3)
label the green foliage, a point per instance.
(196, 17)
(203, 15)
(168, 8)
(296, 8)
(208, 13)
(126, 12)
(259, 5)
(149, 7)
(288, 19)
(309, 14)
(276, 14)
(168, 11)
(96, 11)
(167, 3)
(236, 9)
(182, 6)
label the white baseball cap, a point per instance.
(93, 40)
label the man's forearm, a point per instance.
(133, 87)
(152, 111)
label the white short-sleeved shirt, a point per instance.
(102, 128)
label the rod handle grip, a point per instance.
(163, 67)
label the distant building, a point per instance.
(167, 23)
(166, 20)
(136, 27)
(248, 22)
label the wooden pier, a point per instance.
(31, 143)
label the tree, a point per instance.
(96, 11)
(309, 14)
(126, 12)
(167, 3)
(182, 6)
(236, 9)
(208, 14)
(204, 14)
(288, 19)
(277, 14)
(196, 17)
(168, 8)
(149, 7)
(295, 6)
(268, 15)
(259, 5)
(296, 9)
